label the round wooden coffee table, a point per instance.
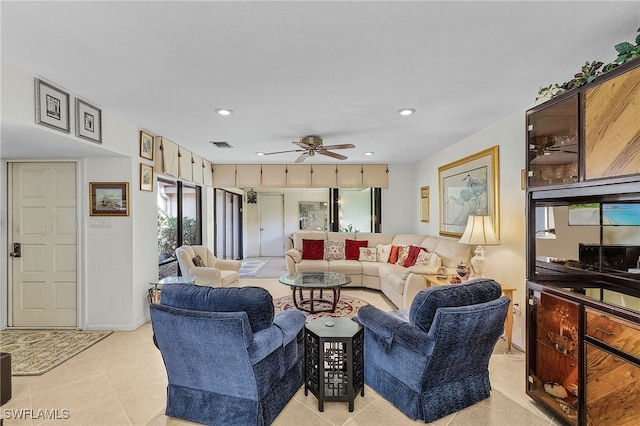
(313, 281)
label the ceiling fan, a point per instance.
(546, 145)
(312, 145)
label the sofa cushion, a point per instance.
(374, 238)
(349, 267)
(334, 250)
(313, 265)
(371, 268)
(312, 249)
(412, 256)
(427, 259)
(452, 252)
(383, 251)
(393, 255)
(427, 301)
(390, 269)
(407, 240)
(352, 248)
(403, 253)
(298, 236)
(368, 254)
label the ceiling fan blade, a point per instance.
(302, 157)
(302, 145)
(282, 152)
(342, 146)
(332, 154)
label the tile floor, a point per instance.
(122, 381)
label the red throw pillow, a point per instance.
(312, 249)
(414, 251)
(352, 248)
(393, 256)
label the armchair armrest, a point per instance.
(290, 322)
(387, 329)
(228, 265)
(292, 256)
(264, 343)
(205, 275)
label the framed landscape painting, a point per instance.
(109, 198)
(469, 187)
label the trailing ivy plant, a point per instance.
(591, 70)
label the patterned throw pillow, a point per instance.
(198, 261)
(428, 259)
(368, 254)
(333, 250)
(352, 248)
(383, 252)
(403, 252)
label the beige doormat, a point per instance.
(34, 352)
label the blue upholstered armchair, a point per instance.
(432, 360)
(228, 360)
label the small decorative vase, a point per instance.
(463, 271)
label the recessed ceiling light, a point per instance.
(406, 111)
(224, 111)
(259, 153)
(368, 153)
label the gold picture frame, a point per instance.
(146, 145)
(424, 204)
(467, 187)
(109, 198)
(146, 177)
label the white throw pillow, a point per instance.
(383, 252)
(333, 250)
(367, 254)
(426, 258)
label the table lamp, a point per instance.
(479, 231)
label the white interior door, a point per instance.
(271, 225)
(44, 266)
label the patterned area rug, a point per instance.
(34, 352)
(347, 307)
(251, 267)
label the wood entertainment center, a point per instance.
(583, 237)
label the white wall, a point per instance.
(507, 261)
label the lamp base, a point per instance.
(479, 263)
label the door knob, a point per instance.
(17, 250)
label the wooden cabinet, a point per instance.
(583, 272)
(588, 133)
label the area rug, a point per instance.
(34, 352)
(347, 307)
(251, 267)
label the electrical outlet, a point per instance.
(516, 309)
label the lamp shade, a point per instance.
(479, 231)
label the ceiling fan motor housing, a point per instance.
(312, 141)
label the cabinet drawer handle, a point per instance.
(608, 333)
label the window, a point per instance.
(177, 199)
(228, 225)
(357, 210)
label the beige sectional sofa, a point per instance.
(398, 283)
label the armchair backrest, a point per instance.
(426, 303)
(256, 302)
(186, 254)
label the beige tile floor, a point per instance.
(122, 381)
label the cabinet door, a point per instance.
(612, 127)
(612, 396)
(552, 135)
(553, 358)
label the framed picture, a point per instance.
(109, 198)
(52, 106)
(469, 187)
(88, 121)
(424, 204)
(146, 177)
(314, 215)
(146, 145)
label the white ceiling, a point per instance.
(290, 69)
